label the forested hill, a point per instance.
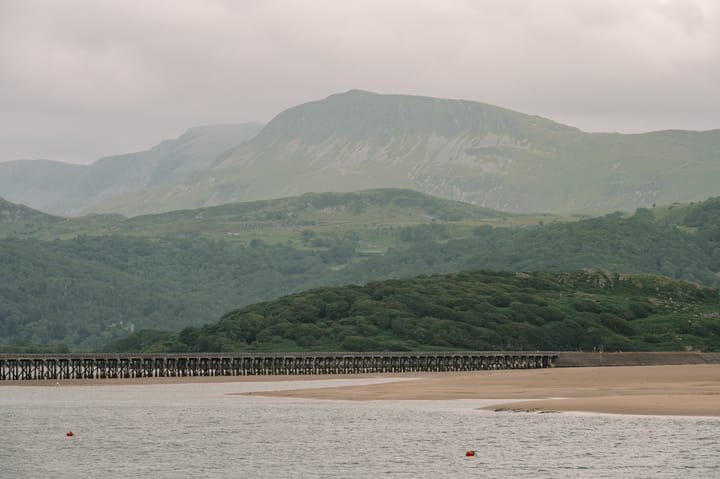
(689, 250)
(467, 311)
(84, 281)
(88, 290)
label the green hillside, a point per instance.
(375, 217)
(475, 310)
(86, 280)
(20, 220)
(634, 244)
(89, 289)
(455, 149)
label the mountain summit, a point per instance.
(455, 149)
(380, 119)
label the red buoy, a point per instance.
(69, 433)
(469, 453)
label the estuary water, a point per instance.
(202, 430)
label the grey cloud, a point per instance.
(84, 78)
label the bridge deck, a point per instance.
(101, 366)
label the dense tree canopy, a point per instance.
(477, 310)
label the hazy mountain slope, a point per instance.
(39, 183)
(67, 189)
(21, 220)
(196, 149)
(454, 149)
(602, 171)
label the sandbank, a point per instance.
(683, 390)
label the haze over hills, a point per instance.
(453, 149)
(67, 189)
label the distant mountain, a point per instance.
(67, 189)
(453, 149)
(40, 183)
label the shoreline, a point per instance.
(677, 390)
(146, 381)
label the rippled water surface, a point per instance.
(199, 430)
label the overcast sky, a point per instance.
(80, 79)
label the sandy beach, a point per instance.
(685, 390)
(688, 390)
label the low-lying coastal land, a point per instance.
(683, 390)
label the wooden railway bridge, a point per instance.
(17, 367)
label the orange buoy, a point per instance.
(469, 453)
(69, 434)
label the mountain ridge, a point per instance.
(454, 149)
(68, 189)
